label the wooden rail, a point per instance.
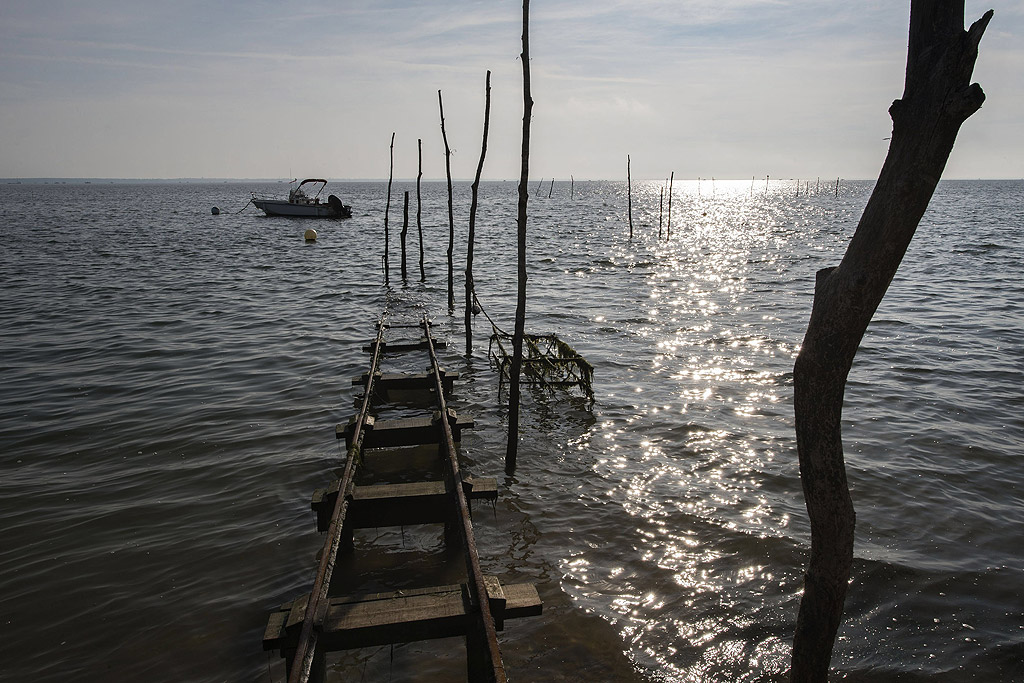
(304, 629)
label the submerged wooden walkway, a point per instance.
(305, 629)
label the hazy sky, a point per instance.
(261, 89)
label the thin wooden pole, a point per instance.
(837, 188)
(539, 186)
(387, 209)
(572, 188)
(766, 186)
(405, 231)
(668, 235)
(451, 210)
(551, 187)
(661, 210)
(470, 285)
(419, 206)
(629, 196)
(512, 448)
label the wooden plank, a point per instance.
(384, 505)
(401, 616)
(409, 431)
(401, 346)
(402, 381)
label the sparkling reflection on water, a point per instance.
(171, 380)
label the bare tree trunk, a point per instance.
(419, 205)
(387, 209)
(451, 211)
(629, 196)
(472, 221)
(512, 447)
(937, 98)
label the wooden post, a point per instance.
(661, 209)
(470, 285)
(668, 229)
(837, 188)
(539, 186)
(405, 231)
(451, 211)
(937, 98)
(387, 209)
(551, 187)
(512, 448)
(629, 196)
(419, 205)
(766, 187)
(572, 188)
(751, 186)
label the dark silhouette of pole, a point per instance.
(387, 209)
(668, 229)
(451, 211)
(405, 231)
(629, 196)
(419, 206)
(937, 98)
(470, 285)
(512, 447)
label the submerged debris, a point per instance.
(548, 362)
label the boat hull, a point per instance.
(280, 207)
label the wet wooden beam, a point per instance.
(403, 381)
(401, 346)
(382, 505)
(400, 616)
(409, 431)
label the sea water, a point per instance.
(170, 381)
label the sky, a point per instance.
(278, 89)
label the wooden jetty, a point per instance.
(308, 627)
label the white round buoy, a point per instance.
(215, 211)
(311, 235)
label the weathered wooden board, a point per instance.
(381, 505)
(409, 431)
(401, 346)
(402, 616)
(402, 381)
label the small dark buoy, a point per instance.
(215, 211)
(476, 308)
(310, 235)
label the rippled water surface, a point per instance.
(171, 381)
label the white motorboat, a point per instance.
(304, 203)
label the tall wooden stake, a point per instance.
(551, 187)
(668, 235)
(451, 210)
(937, 98)
(470, 285)
(629, 196)
(661, 210)
(572, 188)
(512, 447)
(405, 231)
(387, 209)
(419, 206)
